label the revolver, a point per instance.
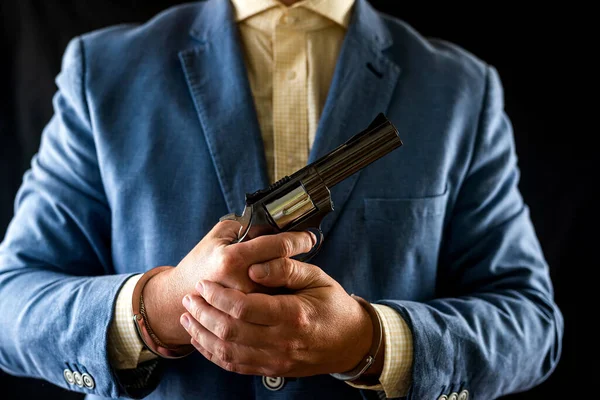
(300, 202)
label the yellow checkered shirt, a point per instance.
(290, 55)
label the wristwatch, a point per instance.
(356, 373)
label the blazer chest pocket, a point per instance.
(399, 238)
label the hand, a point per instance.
(318, 329)
(214, 258)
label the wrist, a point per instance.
(363, 344)
(157, 314)
(368, 370)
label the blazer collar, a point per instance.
(218, 15)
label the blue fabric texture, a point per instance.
(155, 137)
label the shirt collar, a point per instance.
(336, 10)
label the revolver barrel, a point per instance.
(380, 138)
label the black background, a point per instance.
(537, 55)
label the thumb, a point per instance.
(289, 273)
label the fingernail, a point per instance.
(200, 288)
(185, 321)
(260, 270)
(186, 301)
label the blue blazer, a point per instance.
(155, 137)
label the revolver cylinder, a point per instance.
(301, 201)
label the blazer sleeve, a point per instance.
(494, 328)
(57, 282)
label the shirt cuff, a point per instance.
(126, 350)
(396, 376)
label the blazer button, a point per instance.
(443, 397)
(273, 384)
(78, 379)
(463, 395)
(88, 381)
(453, 396)
(68, 374)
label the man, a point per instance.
(161, 129)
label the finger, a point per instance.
(225, 231)
(256, 308)
(286, 272)
(225, 327)
(237, 368)
(268, 247)
(226, 353)
(201, 350)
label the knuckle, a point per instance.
(290, 268)
(287, 247)
(225, 229)
(211, 356)
(239, 310)
(224, 353)
(195, 310)
(228, 225)
(289, 347)
(269, 371)
(284, 367)
(227, 259)
(193, 332)
(278, 367)
(217, 265)
(208, 355)
(226, 332)
(312, 272)
(229, 367)
(213, 276)
(301, 320)
(208, 295)
(246, 287)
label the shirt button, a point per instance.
(273, 384)
(291, 75)
(88, 381)
(464, 395)
(78, 379)
(68, 374)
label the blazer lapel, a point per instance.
(218, 83)
(362, 87)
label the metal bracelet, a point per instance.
(369, 360)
